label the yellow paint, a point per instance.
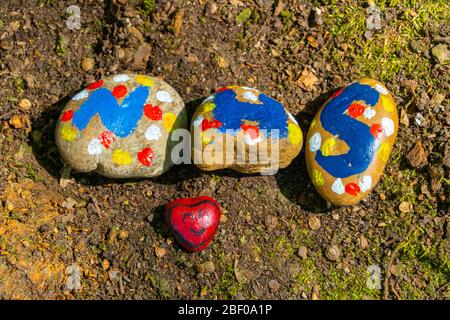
(169, 120)
(387, 103)
(206, 138)
(317, 178)
(295, 134)
(121, 157)
(207, 107)
(68, 133)
(144, 80)
(313, 123)
(328, 147)
(383, 151)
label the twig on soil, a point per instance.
(96, 207)
(391, 261)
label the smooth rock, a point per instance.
(194, 221)
(350, 140)
(245, 130)
(441, 53)
(120, 127)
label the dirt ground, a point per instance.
(66, 235)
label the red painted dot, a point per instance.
(106, 138)
(334, 95)
(95, 85)
(253, 131)
(68, 115)
(377, 130)
(208, 124)
(153, 112)
(145, 156)
(355, 110)
(120, 91)
(352, 189)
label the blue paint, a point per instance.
(356, 134)
(120, 119)
(270, 115)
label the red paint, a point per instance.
(194, 221)
(377, 130)
(352, 189)
(106, 138)
(68, 115)
(253, 131)
(146, 156)
(334, 95)
(208, 124)
(153, 112)
(355, 110)
(222, 89)
(120, 91)
(95, 85)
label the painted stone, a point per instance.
(194, 221)
(120, 127)
(245, 130)
(350, 140)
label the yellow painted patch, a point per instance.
(144, 80)
(313, 123)
(383, 151)
(169, 120)
(206, 138)
(68, 133)
(121, 157)
(207, 107)
(387, 103)
(317, 178)
(328, 147)
(295, 134)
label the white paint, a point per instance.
(81, 95)
(153, 133)
(338, 186)
(388, 126)
(292, 118)
(366, 183)
(381, 89)
(121, 78)
(369, 113)
(95, 147)
(315, 142)
(251, 141)
(210, 98)
(198, 121)
(250, 96)
(164, 96)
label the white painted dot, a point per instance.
(366, 183)
(153, 133)
(81, 95)
(250, 96)
(164, 96)
(388, 126)
(292, 118)
(315, 142)
(338, 186)
(381, 89)
(251, 141)
(95, 147)
(121, 78)
(369, 113)
(198, 121)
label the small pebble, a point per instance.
(302, 252)
(87, 64)
(333, 253)
(274, 285)
(25, 104)
(314, 223)
(363, 244)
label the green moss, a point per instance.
(148, 6)
(227, 286)
(244, 15)
(388, 51)
(61, 46)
